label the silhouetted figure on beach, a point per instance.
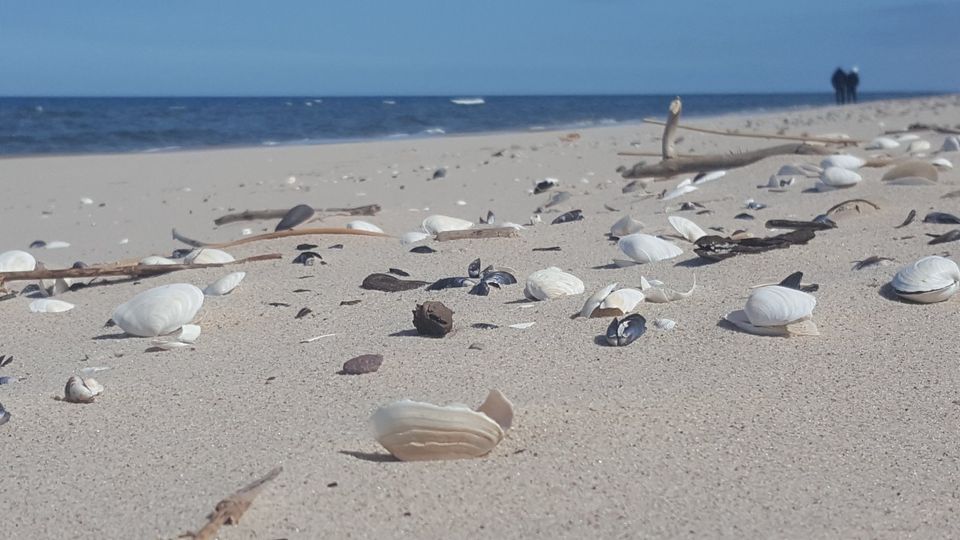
(839, 82)
(853, 80)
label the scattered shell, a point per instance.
(624, 226)
(942, 163)
(522, 326)
(776, 311)
(156, 259)
(912, 169)
(686, 228)
(843, 161)
(47, 305)
(542, 185)
(416, 431)
(551, 283)
(656, 293)
(438, 224)
(882, 143)
(160, 310)
(433, 319)
(608, 302)
(837, 177)
(80, 390)
(17, 261)
(361, 225)
(625, 331)
(413, 237)
(664, 324)
(644, 248)
(57, 244)
(389, 283)
(941, 218)
(918, 146)
(682, 188)
(928, 280)
(86, 200)
(300, 213)
(705, 177)
(573, 215)
(422, 249)
(208, 256)
(224, 285)
(4, 415)
(366, 363)
(951, 144)
(188, 333)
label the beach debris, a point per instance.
(718, 248)
(436, 224)
(951, 144)
(664, 324)
(316, 338)
(949, 236)
(17, 261)
(307, 258)
(480, 280)
(654, 291)
(80, 390)
(365, 363)
(306, 247)
(433, 319)
(912, 173)
(644, 248)
(484, 326)
(623, 332)
(390, 283)
(774, 310)
(489, 220)
(573, 215)
(297, 215)
(608, 302)
(413, 237)
(422, 249)
(229, 511)
(160, 310)
(543, 185)
(850, 205)
(910, 217)
(185, 338)
(49, 305)
(417, 431)
(208, 256)
(882, 143)
(551, 283)
(928, 280)
(249, 215)
(398, 272)
(837, 178)
(359, 225)
(744, 216)
(918, 147)
(86, 200)
(941, 218)
(686, 228)
(156, 260)
(821, 225)
(684, 187)
(4, 415)
(224, 285)
(439, 173)
(843, 161)
(473, 234)
(704, 177)
(551, 248)
(303, 313)
(5, 360)
(624, 226)
(873, 260)
(942, 163)
(522, 325)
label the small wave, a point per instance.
(397, 135)
(269, 143)
(177, 108)
(537, 128)
(468, 101)
(318, 101)
(607, 121)
(161, 149)
(389, 102)
(434, 131)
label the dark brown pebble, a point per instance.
(388, 283)
(349, 302)
(551, 248)
(433, 319)
(365, 363)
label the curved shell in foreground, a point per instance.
(49, 305)
(645, 248)
(224, 285)
(839, 177)
(800, 328)
(844, 161)
(928, 280)
(686, 228)
(17, 261)
(80, 390)
(551, 283)
(207, 256)
(416, 431)
(438, 224)
(912, 169)
(361, 225)
(778, 306)
(160, 310)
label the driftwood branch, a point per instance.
(229, 511)
(925, 127)
(501, 232)
(825, 140)
(688, 164)
(252, 215)
(670, 127)
(277, 234)
(132, 270)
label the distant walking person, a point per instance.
(839, 82)
(853, 80)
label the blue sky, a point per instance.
(365, 47)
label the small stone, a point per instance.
(433, 319)
(365, 363)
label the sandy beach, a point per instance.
(701, 431)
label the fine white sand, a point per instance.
(702, 431)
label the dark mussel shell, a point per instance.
(365, 363)
(449, 283)
(625, 331)
(573, 215)
(295, 216)
(793, 282)
(474, 269)
(389, 283)
(307, 258)
(544, 185)
(949, 236)
(423, 249)
(480, 289)
(942, 218)
(499, 277)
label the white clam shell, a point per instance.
(680, 190)
(839, 177)
(645, 248)
(943, 163)
(800, 328)
(56, 244)
(48, 305)
(882, 143)
(160, 310)
(416, 431)
(624, 226)
(664, 324)
(709, 177)
(778, 306)
(438, 224)
(17, 261)
(224, 285)
(551, 283)
(361, 225)
(655, 292)
(79, 390)
(928, 280)
(413, 237)
(918, 146)
(619, 302)
(207, 256)
(156, 259)
(686, 228)
(951, 144)
(844, 161)
(189, 333)
(595, 299)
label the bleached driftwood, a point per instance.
(252, 215)
(691, 164)
(229, 511)
(500, 232)
(800, 138)
(277, 234)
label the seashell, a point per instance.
(79, 390)
(951, 144)
(906, 137)
(918, 146)
(595, 299)
(433, 319)
(438, 224)
(4, 415)
(540, 186)
(361, 225)
(776, 311)
(53, 287)
(17, 261)
(156, 259)
(624, 226)
(686, 228)
(656, 293)
(56, 244)
(388, 283)
(413, 237)
(625, 331)
(224, 285)
(844, 161)
(682, 189)
(86, 200)
(664, 324)
(416, 431)
(619, 303)
(522, 325)
(47, 305)
(799, 169)
(942, 163)
(882, 143)
(188, 333)
(911, 169)
(208, 256)
(839, 177)
(928, 280)
(705, 177)
(300, 213)
(573, 215)
(644, 248)
(551, 283)
(160, 310)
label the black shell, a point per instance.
(625, 331)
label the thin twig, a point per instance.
(757, 135)
(229, 511)
(501, 232)
(673, 119)
(251, 215)
(277, 234)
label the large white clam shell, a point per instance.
(686, 228)
(778, 306)
(416, 431)
(49, 305)
(595, 299)
(551, 283)
(156, 259)
(882, 143)
(619, 302)
(17, 261)
(413, 237)
(160, 310)
(224, 285)
(207, 256)
(438, 224)
(644, 248)
(839, 177)
(844, 161)
(928, 280)
(361, 225)
(624, 226)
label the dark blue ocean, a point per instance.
(33, 125)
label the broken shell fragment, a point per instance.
(361, 225)
(655, 292)
(48, 305)
(160, 310)
(389, 283)
(664, 324)
(644, 248)
(437, 224)
(625, 331)
(911, 169)
(776, 311)
(624, 226)
(942, 163)
(416, 431)
(551, 283)
(433, 319)
(80, 390)
(686, 228)
(413, 237)
(224, 285)
(928, 280)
